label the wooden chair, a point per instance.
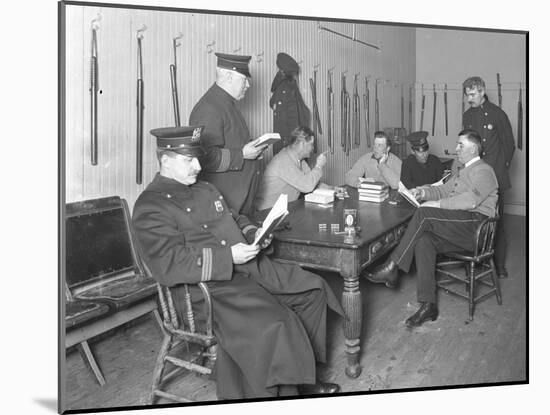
(472, 268)
(103, 271)
(186, 332)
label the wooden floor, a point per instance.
(450, 351)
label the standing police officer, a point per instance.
(231, 160)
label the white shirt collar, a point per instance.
(472, 161)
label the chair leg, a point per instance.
(495, 279)
(158, 319)
(159, 365)
(86, 352)
(471, 297)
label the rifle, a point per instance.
(422, 109)
(410, 110)
(366, 104)
(94, 87)
(499, 85)
(446, 118)
(173, 67)
(343, 113)
(376, 108)
(330, 111)
(316, 120)
(520, 121)
(140, 107)
(433, 120)
(402, 108)
(356, 115)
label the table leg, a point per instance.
(352, 304)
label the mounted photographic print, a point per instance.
(233, 221)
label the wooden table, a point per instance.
(382, 225)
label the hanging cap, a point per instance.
(182, 140)
(287, 64)
(418, 140)
(237, 63)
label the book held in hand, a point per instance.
(275, 216)
(266, 139)
(403, 191)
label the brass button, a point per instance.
(168, 195)
(188, 209)
(205, 226)
(223, 242)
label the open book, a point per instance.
(275, 216)
(403, 191)
(267, 138)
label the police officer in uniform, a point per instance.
(269, 318)
(420, 168)
(497, 139)
(231, 159)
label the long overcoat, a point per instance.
(224, 135)
(185, 235)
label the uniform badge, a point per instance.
(490, 126)
(196, 134)
(219, 206)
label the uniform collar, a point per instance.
(472, 161)
(164, 184)
(222, 93)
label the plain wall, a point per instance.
(451, 56)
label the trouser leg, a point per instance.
(311, 308)
(425, 253)
(456, 226)
(500, 238)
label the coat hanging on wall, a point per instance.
(289, 108)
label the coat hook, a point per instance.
(331, 70)
(139, 32)
(179, 36)
(237, 50)
(315, 67)
(209, 48)
(95, 21)
(259, 57)
(300, 63)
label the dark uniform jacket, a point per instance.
(225, 134)
(185, 234)
(497, 138)
(289, 109)
(414, 174)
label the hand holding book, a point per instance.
(275, 216)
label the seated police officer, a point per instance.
(420, 168)
(269, 318)
(445, 222)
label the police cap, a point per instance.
(182, 140)
(418, 140)
(237, 63)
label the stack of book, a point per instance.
(373, 191)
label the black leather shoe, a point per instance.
(384, 274)
(427, 311)
(319, 388)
